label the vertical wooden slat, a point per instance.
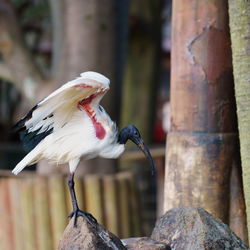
(93, 191)
(58, 211)
(39, 214)
(42, 215)
(110, 203)
(79, 192)
(123, 198)
(16, 215)
(6, 231)
(135, 208)
(27, 207)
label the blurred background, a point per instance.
(44, 44)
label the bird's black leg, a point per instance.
(76, 211)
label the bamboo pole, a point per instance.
(27, 210)
(42, 213)
(202, 141)
(137, 155)
(110, 203)
(94, 199)
(135, 212)
(79, 192)
(35, 211)
(16, 212)
(124, 216)
(58, 211)
(6, 230)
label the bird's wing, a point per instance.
(56, 110)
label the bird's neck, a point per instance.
(90, 111)
(112, 151)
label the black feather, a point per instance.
(21, 124)
(31, 139)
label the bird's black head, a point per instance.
(131, 133)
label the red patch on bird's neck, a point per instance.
(85, 105)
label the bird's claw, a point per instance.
(89, 217)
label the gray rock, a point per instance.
(192, 228)
(144, 243)
(85, 236)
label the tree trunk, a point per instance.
(203, 138)
(88, 45)
(239, 12)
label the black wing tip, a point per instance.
(21, 124)
(31, 139)
(17, 127)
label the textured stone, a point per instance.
(192, 228)
(85, 236)
(144, 243)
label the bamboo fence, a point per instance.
(34, 209)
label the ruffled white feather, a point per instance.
(73, 133)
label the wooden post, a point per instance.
(58, 209)
(202, 141)
(124, 222)
(17, 218)
(6, 229)
(110, 193)
(93, 191)
(27, 211)
(135, 212)
(42, 213)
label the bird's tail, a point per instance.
(29, 159)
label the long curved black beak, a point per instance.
(140, 143)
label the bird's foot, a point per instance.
(89, 217)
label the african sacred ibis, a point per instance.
(69, 125)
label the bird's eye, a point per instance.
(136, 133)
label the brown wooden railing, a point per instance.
(34, 209)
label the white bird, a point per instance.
(69, 125)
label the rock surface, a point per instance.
(192, 228)
(187, 228)
(144, 243)
(85, 236)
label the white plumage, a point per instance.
(69, 124)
